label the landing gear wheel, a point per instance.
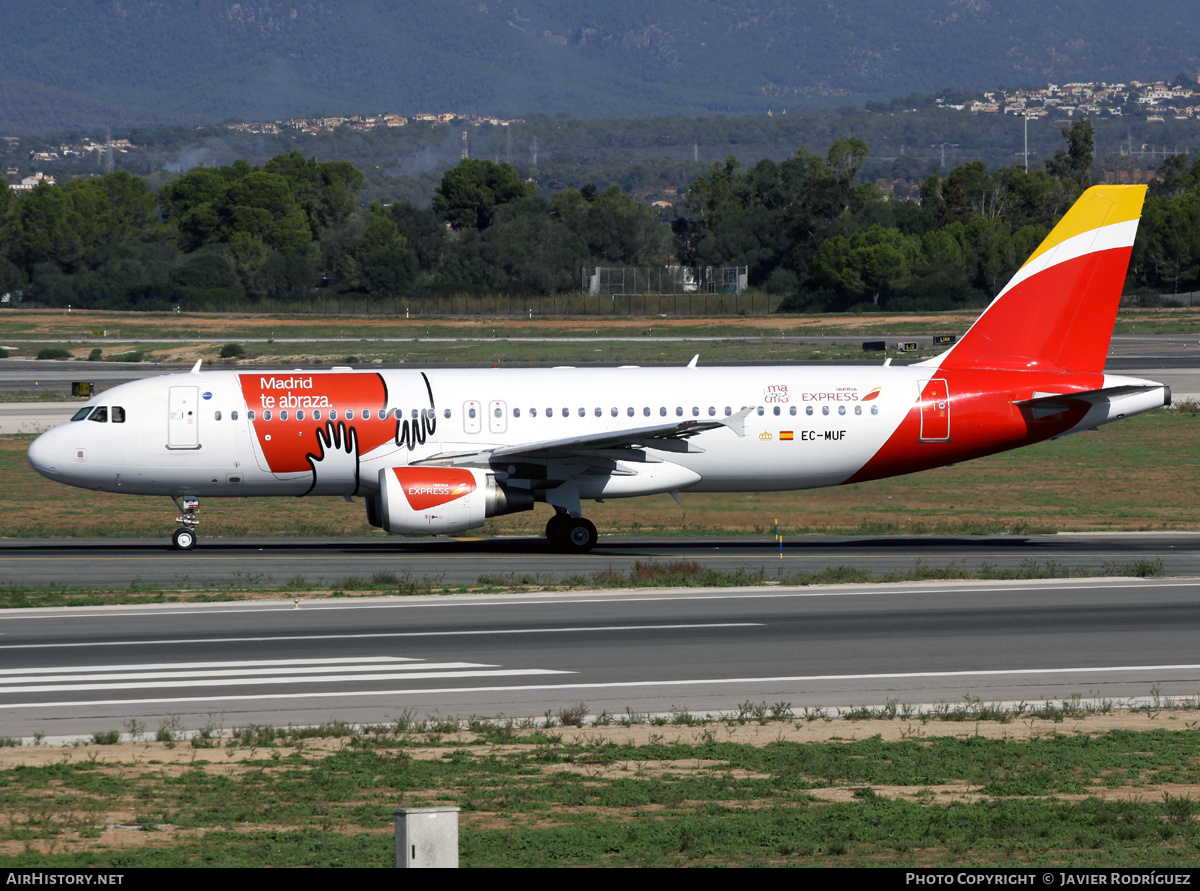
(577, 536)
(184, 539)
(554, 527)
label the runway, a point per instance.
(349, 563)
(82, 671)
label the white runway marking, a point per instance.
(1030, 673)
(376, 636)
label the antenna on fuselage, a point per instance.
(196, 367)
(695, 359)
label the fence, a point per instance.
(616, 281)
(1161, 301)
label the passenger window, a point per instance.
(266, 414)
(316, 414)
(858, 409)
(332, 414)
(566, 412)
(583, 412)
(645, 411)
(250, 414)
(777, 410)
(679, 411)
(549, 412)
(471, 412)
(446, 414)
(100, 415)
(874, 409)
(695, 411)
(498, 413)
(824, 409)
(792, 411)
(516, 412)
(233, 416)
(662, 411)
(712, 411)
(613, 411)
(841, 409)
(82, 413)
(300, 415)
(629, 411)
(599, 413)
(728, 411)
(533, 412)
(366, 414)
(216, 416)
(760, 411)
(283, 415)
(808, 410)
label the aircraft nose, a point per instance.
(47, 455)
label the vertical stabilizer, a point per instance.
(1057, 313)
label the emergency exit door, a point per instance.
(935, 411)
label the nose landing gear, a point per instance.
(185, 537)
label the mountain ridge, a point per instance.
(125, 62)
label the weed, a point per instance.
(135, 728)
(1179, 808)
(573, 715)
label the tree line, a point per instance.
(809, 229)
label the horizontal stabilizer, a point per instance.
(1046, 404)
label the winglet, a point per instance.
(196, 367)
(695, 359)
(737, 421)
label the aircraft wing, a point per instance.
(665, 437)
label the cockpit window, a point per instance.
(82, 413)
(100, 415)
(118, 414)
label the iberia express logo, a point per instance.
(426, 487)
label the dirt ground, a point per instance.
(121, 829)
(829, 729)
(58, 323)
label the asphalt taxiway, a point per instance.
(339, 563)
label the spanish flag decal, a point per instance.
(785, 434)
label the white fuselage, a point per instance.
(808, 427)
(244, 433)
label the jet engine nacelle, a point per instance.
(437, 500)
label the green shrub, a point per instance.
(53, 353)
(232, 351)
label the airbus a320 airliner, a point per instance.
(440, 451)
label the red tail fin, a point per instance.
(1058, 311)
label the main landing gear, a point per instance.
(575, 535)
(185, 537)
